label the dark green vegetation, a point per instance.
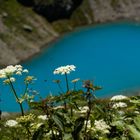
(53, 9)
(76, 115)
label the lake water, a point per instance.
(108, 54)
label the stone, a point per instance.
(27, 28)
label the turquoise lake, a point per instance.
(108, 54)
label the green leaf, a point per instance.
(67, 136)
(134, 132)
(137, 122)
(59, 121)
(38, 133)
(79, 123)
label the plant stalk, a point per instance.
(15, 94)
(67, 84)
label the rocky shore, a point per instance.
(23, 32)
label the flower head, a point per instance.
(118, 98)
(119, 105)
(29, 79)
(84, 109)
(11, 123)
(11, 70)
(26, 119)
(42, 117)
(25, 71)
(64, 69)
(101, 125)
(7, 81)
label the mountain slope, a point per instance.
(23, 31)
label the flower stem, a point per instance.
(89, 111)
(26, 88)
(74, 86)
(67, 84)
(15, 94)
(60, 87)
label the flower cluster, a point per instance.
(10, 70)
(119, 105)
(64, 69)
(42, 117)
(11, 123)
(101, 125)
(7, 81)
(118, 98)
(84, 109)
(26, 118)
(29, 79)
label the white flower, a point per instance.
(84, 109)
(10, 70)
(42, 117)
(18, 66)
(2, 74)
(12, 79)
(101, 125)
(119, 105)
(118, 98)
(11, 123)
(121, 113)
(25, 71)
(18, 73)
(7, 81)
(64, 69)
(55, 132)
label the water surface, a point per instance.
(109, 54)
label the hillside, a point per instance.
(22, 32)
(24, 28)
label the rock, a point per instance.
(27, 28)
(5, 114)
(16, 44)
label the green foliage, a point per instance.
(73, 114)
(134, 129)
(15, 13)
